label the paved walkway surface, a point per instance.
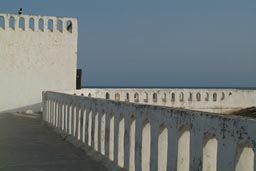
(28, 144)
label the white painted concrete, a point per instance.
(230, 146)
(210, 154)
(183, 150)
(33, 60)
(245, 157)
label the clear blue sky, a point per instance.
(161, 42)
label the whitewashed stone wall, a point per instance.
(37, 53)
(210, 100)
(142, 137)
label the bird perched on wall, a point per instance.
(20, 11)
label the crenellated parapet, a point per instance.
(207, 99)
(15, 22)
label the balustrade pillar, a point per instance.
(45, 19)
(77, 122)
(116, 138)
(69, 118)
(107, 134)
(172, 155)
(63, 116)
(86, 133)
(55, 113)
(226, 154)
(72, 119)
(99, 130)
(196, 149)
(127, 124)
(36, 23)
(48, 110)
(6, 22)
(82, 125)
(60, 115)
(138, 145)
(26, 23)
(16, 23)
(154, 146)
(93, 128)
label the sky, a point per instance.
(159, 43)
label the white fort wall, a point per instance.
(144, 137)
(36, 53)
(210, 100)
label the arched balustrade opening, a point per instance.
(173, 97)
(183, 149)
(103, 132)
(41, 24)
(207, 97)
(90, 128)
(154, 98)
(111, 136)
(127, 97)
(22, 23)
(198, 97)
(162, 148)
(32, 24)
(190, 98)
(2, 22)
(12, 23)
(60, 26)
(50, 25)
(214, 97)
(145, 149)
(210, 148)
(136, 97)
(107, 96)
(121, 141)
(244, 157)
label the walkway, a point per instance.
(28, 144)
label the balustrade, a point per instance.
(143, 137)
